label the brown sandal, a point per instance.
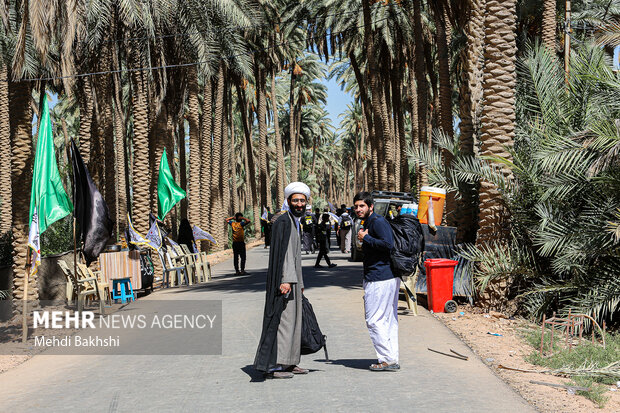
(378, 366)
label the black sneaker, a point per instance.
(318, 266)
(332, 265)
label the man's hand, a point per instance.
(285, 288)
(361, 234)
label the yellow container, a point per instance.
(438, 196)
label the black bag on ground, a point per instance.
(312, 339)
(408, 244)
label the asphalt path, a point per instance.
(227, 382)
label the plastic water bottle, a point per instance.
(414, 209)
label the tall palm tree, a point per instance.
(141, 151)
(217, 208)
(195, 177)
(21, 170)
(280, 173)
(498, 112)
(5, 155)
(470, 99)
(549, 24)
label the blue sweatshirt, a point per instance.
(376, 246)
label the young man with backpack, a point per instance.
(381, 287)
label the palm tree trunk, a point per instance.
(110, 161)
(182, 163)
(216, 212)
(21, 168)
(470, 96)
(445, 100)
(412, 98)
(261, 115)
(5, 155)
(549, 24)
(422, 84)
(498, 113)
(205, 152)
(86, 118)
(280, 173)
(233, 159)
(195, 197)
(226, 174)
(158, 140)
(250, 169)
(120, 148)
(397, 99)
(141, 169)
(292, 131)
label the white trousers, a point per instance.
(381, 307)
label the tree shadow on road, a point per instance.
(346, 275)
(359, 364)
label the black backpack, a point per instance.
(312, 339)
(408, 244)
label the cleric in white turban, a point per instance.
(279, 348)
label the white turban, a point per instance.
(296, 188)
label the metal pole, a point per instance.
(25, 300)
(567, 32)
(75, 254)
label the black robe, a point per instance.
(275, 302)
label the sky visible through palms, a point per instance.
(337, 101)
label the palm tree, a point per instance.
(549, 24)
(498, 112)
(470, 98)
(5, 155)
(21, 177)
(217, 207)
(195, 176)
(141, 150)
(281, 181)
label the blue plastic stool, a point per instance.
(126, 290)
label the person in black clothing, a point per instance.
(308, 224)
(316, 216)
(323, 246)
(266, 224)
(186, 235)
(329, 228)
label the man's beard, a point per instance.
(298, 212)
(365, 216)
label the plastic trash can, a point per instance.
(439, 282)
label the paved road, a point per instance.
(427, 381)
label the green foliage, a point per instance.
(58, 237)
(584, 357)
(596, 392)
(563, 192)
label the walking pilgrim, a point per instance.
(279, 348)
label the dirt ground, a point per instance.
(510, 350)
(13, 352)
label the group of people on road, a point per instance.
(279, 349)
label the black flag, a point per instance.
(90, 210)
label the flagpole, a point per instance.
(74, 252)
(25, 299)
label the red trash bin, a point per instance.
(439, 282)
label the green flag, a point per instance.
(168, 192)
(48, 195)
